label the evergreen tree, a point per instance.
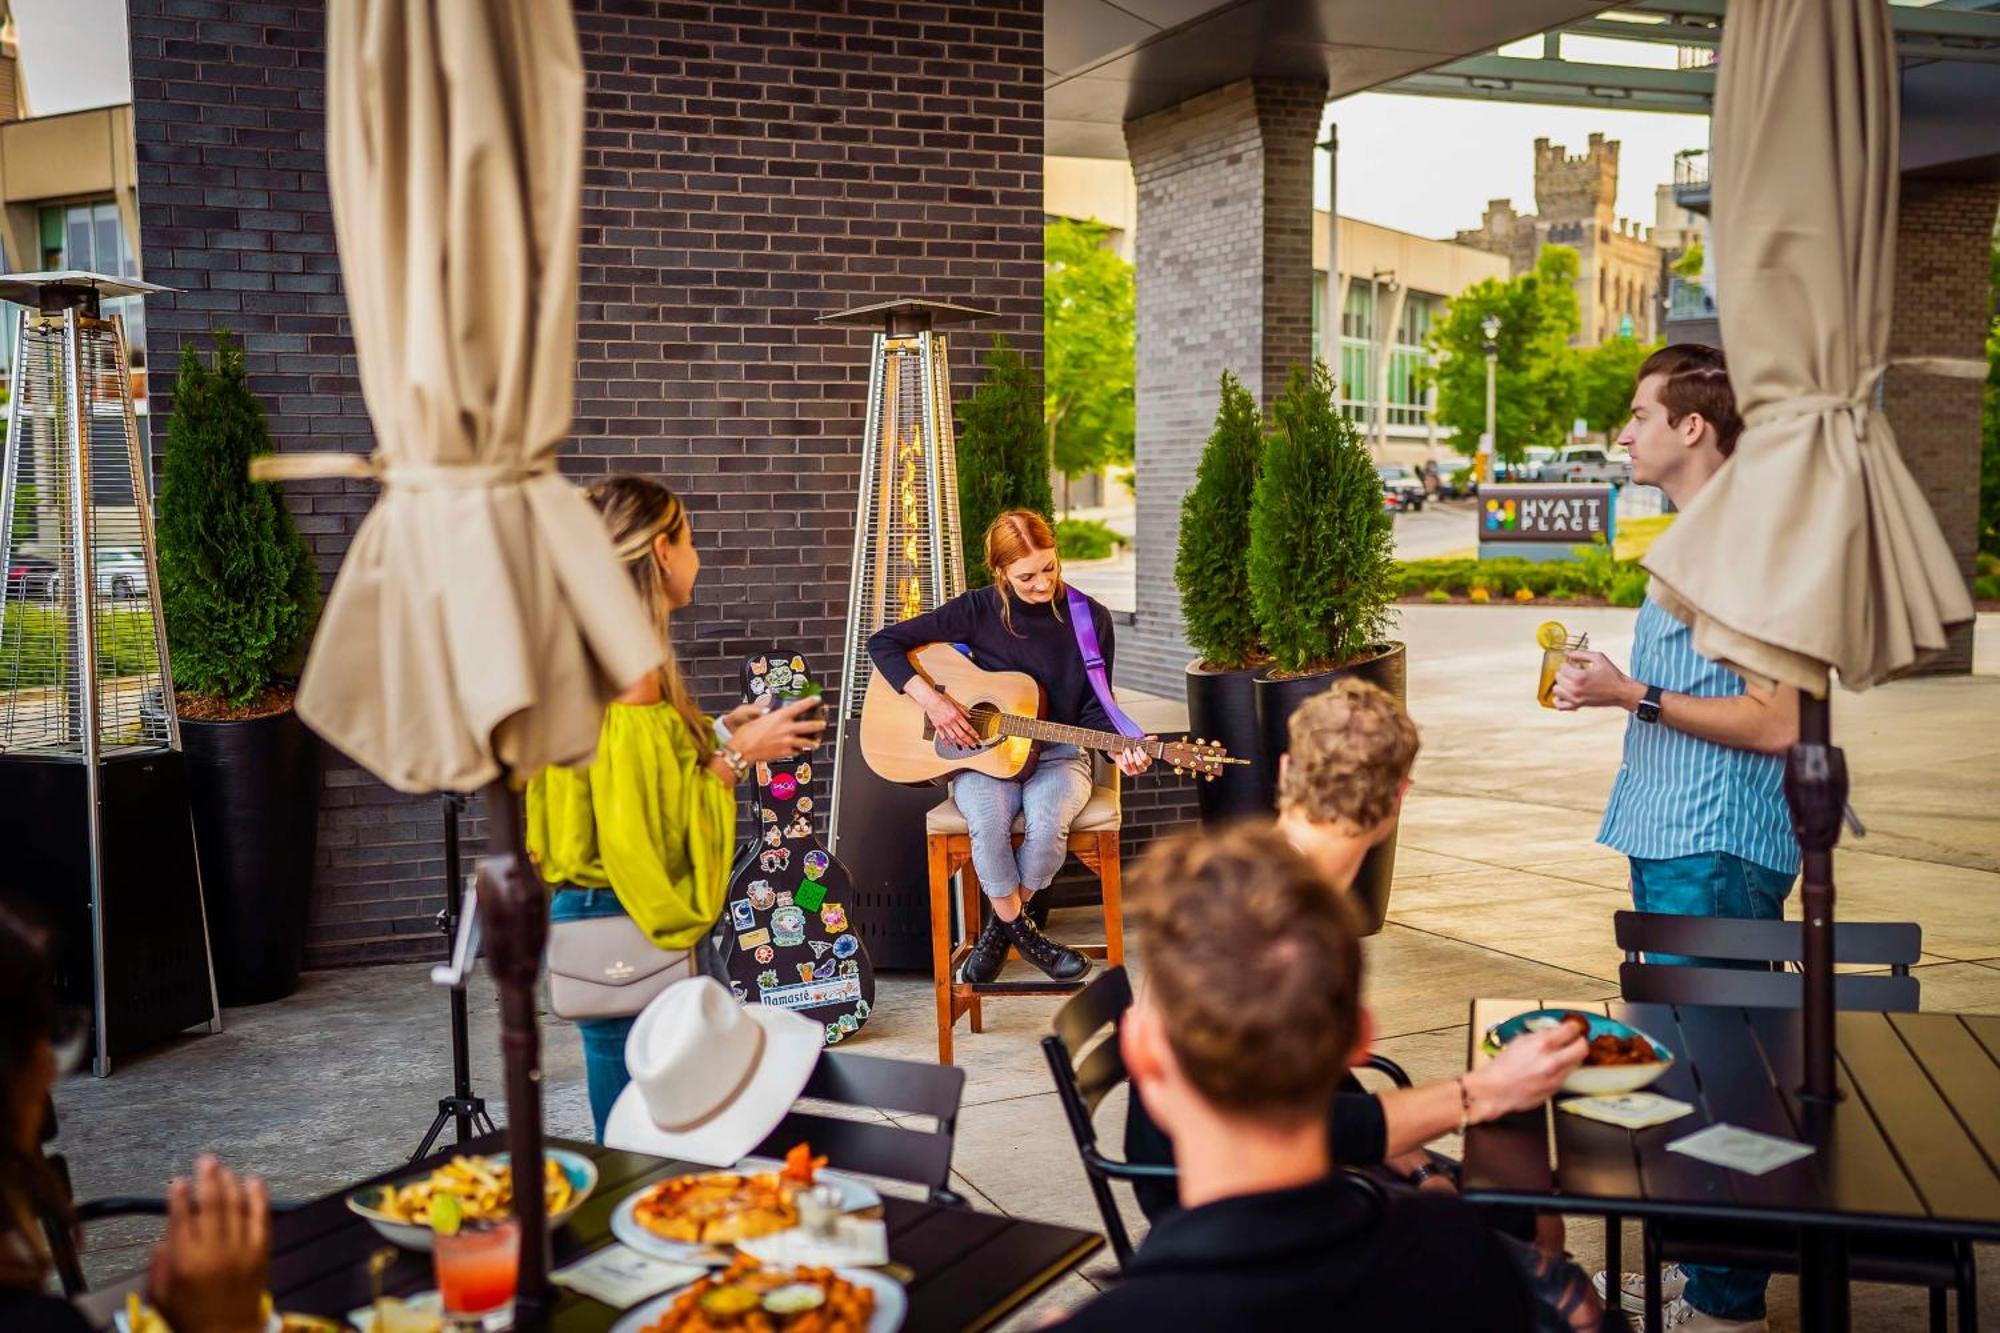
(1003, 453)
(1211, 568)
(237, 582)
(1321, 548)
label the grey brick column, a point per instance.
(1943, 241)
(1224, 239)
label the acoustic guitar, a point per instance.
(901, 745)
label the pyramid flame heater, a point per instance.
(907, 560)
(93, 792)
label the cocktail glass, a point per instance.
(476, 1269)
(1557, 644)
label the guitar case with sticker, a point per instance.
(786, 938)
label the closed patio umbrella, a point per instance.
(1854, 576)
(480, 619)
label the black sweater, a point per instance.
(1040, 645)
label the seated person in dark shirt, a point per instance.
(1249, 1014)
(1340, 789)
(207, 1275)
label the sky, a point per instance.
(1419, 164)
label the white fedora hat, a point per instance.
(710, 1077)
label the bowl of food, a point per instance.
(1621, 1058)
(482, 1188)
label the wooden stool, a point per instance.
(1093, 839)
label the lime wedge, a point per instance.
(446, 1214)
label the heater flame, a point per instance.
(910, 591)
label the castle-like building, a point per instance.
(1576, 205)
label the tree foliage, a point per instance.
(1322, 564)
(1606, 375)
(1089, 316)
(1210, 568)
(237, 583)
(1689, 265)
(1003, 453)
(1535, 380)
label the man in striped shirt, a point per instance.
(1698, 806)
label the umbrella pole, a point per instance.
(1816, 791)
(515, 902)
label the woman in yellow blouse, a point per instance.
(647, 829)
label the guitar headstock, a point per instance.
(1202, 757)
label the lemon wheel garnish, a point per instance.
(1551, 634)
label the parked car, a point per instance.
(30, 578)
(1402, 489)
(1527, 469)
(1586, 463)
(121, 574)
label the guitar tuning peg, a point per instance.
(1211, 777)
(1177, 770)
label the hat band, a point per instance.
(722, 1103)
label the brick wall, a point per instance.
(746, 169)
(1224, 256)
(1943, 304)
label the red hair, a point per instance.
(1014, 534)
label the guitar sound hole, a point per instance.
(985, 720)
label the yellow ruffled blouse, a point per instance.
(645, 820)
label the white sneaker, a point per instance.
(1632, 1291)
(1678, 1314)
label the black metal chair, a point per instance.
(1083, 1083)
(873, 1147)
(1872, 1256)
(1891, 944)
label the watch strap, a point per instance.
(1649, 707)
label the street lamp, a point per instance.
(1490, 326)
(1378, 377)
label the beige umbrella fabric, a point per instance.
(1814, 547)
(480, 618)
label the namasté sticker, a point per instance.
(811, 995)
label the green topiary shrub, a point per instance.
(1086, 539)
(1212, 568)
(237, 582)
(1003, 453)
(1322, 565)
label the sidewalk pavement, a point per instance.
(1499, 890)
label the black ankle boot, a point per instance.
(1059, 963)
(989, 951)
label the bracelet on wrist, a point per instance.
(1464, 1106)
(739, 767)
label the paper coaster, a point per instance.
(1740, 1149)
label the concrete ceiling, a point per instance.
(1107, 62)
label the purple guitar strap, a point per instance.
(1085, 626)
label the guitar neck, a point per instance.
(1035, 728)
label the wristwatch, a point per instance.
(1649, 707)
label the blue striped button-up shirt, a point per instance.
(1679, 795)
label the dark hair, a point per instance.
(29, 1189)
(1697, 380)
(1253, 961)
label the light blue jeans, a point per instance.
(1713, 884)
(1047, 802)
(604, 1073)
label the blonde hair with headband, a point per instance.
(637, 511)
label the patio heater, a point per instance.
(907, 560)
(93, 793)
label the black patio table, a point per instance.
(967, 1270)
(1911, 1147)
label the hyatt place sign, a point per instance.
(1570, 515)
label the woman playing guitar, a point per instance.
(1015, 624)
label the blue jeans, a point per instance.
(1713, 884)
(1051, 797)
(603, 1038)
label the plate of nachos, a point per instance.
(748, 1296)
(693, 1218)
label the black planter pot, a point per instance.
(1222, 707)
(254, 787)
(1276, 701)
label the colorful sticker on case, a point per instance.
(765, 953)
(767, 979)
(757, 686)
(847, 1022)
(736, 989)
(772, 837)
(804, 773)
(799, 828)
(834, 1034)
(742, 915)
(805, 972)
(833, 917)
(846, 947)
(799, 664)
(758, 666)
(761, 895)
(819, 947)
(810, 895)
(784, 786)
(816, 864)
(763, 774)
(788, 927)
(862, 1009)
(750, 939)
(781, 675)
(805, 803)
(784, 897)
(823, 972)
(850, 967)
(767, 814)
(775, 862)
